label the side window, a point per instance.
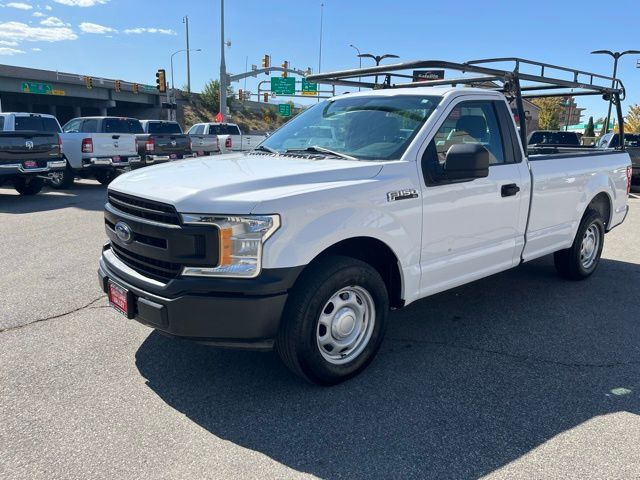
(471, 122)
(72, 127)
(90, 126)
(1, 124)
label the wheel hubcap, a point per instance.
(590, 246)
(345, 325)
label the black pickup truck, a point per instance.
(162, 141)
(631, 145)
(30, 150)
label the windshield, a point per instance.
(554, 138)
(163, 127)
(367, 128)
(35, 122)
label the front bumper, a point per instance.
(236, 313)
(20, 169)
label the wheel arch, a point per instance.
(603, 204)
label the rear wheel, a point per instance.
(582, 258)
(105, 176)
(62, 179)
(334, 321)
(28, 186)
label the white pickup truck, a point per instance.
(97, 147)
(228, 136)
(416, 191)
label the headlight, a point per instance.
(240, 241)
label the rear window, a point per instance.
(39, 124)
(554, 138)
(121, 125)
(631, 140)
(224, 130)
(163, 127)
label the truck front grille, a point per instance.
(145, 209)
(156, 269)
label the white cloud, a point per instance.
(10, 51)
(48, 7)
(81, 3)
(19, 5)
(8, 43)
(17, 31)
(52, 22)
(88, 27)
(36, 49)
(140, 30)
(39, 14)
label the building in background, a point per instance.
(570, 113)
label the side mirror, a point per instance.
(466, 161)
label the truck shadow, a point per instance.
(466, 382)
(86, 195)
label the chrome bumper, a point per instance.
(109, 162)
(19, 168)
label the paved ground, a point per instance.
(521, 375)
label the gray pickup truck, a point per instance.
(30, 150)
(631, 145)
(161, 142)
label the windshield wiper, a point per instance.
(318, 149)
(263, 148)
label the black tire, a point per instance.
(28, 186)
(298, 343)
(63, 179)
(105, 176)
(570, 263)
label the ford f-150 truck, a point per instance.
(30, 150)
(162, 141)
(97, 147)
(416, 191)
(631, 145)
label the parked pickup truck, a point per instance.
(97, 147)
(162, 141)
(202, 142)
(229, 137)
(30, 150)
(418, 190)
(632, 146)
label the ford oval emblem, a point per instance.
(123, 232)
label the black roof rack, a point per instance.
(517, 78)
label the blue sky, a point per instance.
(130, 39)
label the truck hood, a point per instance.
(237, 183)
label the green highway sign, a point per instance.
(37, 88)
(309, 88)
(284, 109)
(283, 86)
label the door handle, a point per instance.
(509, 190)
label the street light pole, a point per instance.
(185, 20)
(378, 58)
(358, 50)
(616, 56)
(223, 66)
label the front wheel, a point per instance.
(28, 186)
(334, 321)
(582, 258)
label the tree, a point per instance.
(632, 120)
(210, 96)
(590, 130)
(549, 112)
(603, 130)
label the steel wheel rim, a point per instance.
(56, 178)
(345, 325)
(590, 246)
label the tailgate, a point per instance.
(168, 144)
(26, 145)
(110, 144)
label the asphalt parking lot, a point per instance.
(520, 375)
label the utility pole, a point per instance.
(186, 24)
(223, 66)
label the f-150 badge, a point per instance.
(402, 194)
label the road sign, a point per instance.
(308, 88)
(37, 88)
(423, 75)
(283, 86)
(284, 109)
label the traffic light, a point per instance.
(88, 81)
(161, 80)
(285, 64)
(240, 94)
(118, 86)
(136, 88)
(266, 97)
(266, 61)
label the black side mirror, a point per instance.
(466, 161)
